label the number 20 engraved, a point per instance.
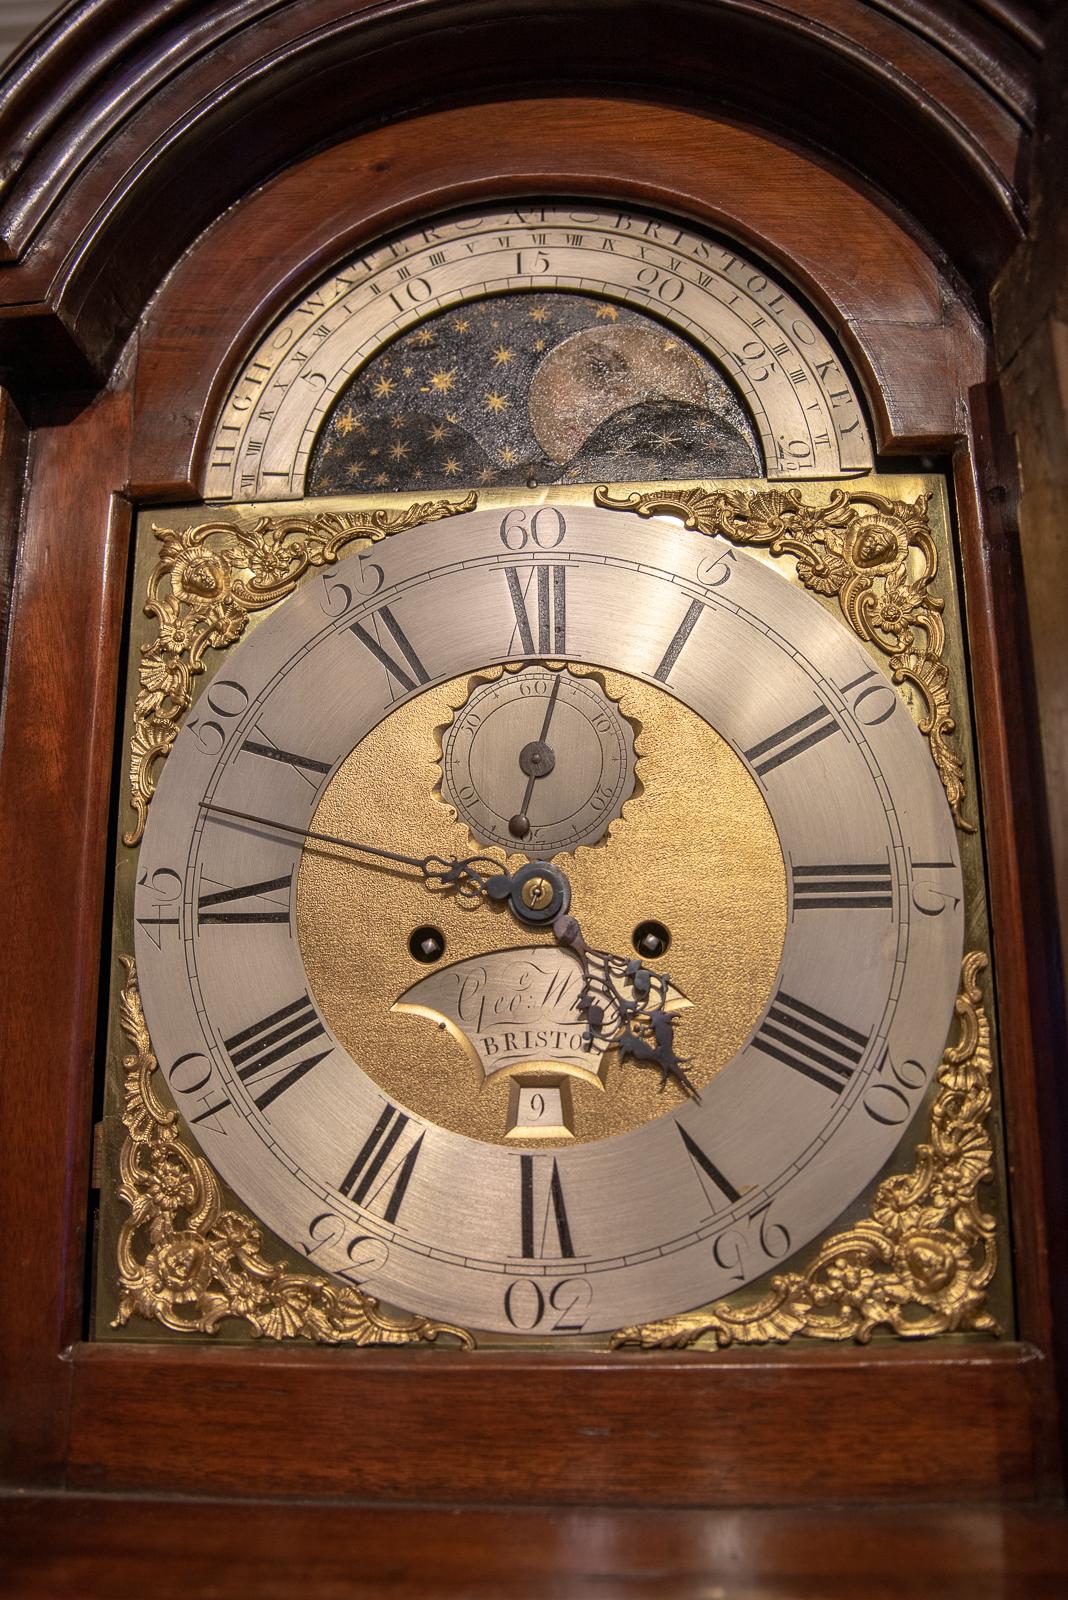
(526, 1305)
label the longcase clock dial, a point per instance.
(563, 1090)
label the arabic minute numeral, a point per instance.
(871, 703)
(891, 1096)
(565, 1309)
(730, 1247)
(190, 1075)
(227, 699)
(365, 1253)
(773, 1237)
(165, 885)
(715, 571)
(546, 528)
(335, 597)
(928, 898)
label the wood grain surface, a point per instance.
(746, 1427)
(55, 788)
(135, 124)
(14, 440)
(95, 1548)
(915, 346)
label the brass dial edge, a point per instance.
(879, 564)
(207, 582)
(940, 1273)
(188, 1264)
(920, 1264)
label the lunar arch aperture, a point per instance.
(802, 402)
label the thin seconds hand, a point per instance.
(519, 826)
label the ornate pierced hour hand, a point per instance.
(639, 1022)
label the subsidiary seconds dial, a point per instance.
(538, 760)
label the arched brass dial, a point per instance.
(722, 300)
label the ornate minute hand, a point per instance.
(470, 876)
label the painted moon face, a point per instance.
(600, 371)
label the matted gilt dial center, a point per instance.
(450, 1039)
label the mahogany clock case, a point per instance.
(901, 1422)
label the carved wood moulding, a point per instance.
(89, 216)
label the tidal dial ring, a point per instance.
(538, 760)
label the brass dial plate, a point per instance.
(696, 850)
(707, 1195)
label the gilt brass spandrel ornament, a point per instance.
(208, 581)
(876, 555)
(921, 1264)
(188, 1263)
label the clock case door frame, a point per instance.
(967, 1420)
